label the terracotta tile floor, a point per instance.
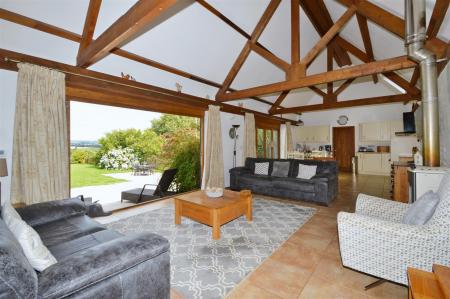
(308, 264)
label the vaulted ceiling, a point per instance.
(236, 51)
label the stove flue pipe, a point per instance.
(415, 37)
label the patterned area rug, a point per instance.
(204, 268)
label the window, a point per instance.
(267, 143)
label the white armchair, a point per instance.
(373, 240)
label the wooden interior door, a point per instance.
(344, 146)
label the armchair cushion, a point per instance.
(380, 207)
(41, 213)
(422, 209)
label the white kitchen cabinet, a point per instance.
(369, 132)
(374, 163)
(396, 126)
(313, 134)
(379, 131)
(386, 163)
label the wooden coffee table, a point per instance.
(214, 211)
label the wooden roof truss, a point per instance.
(146, 13)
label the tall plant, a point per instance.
(182, 151)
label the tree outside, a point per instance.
(172, 141)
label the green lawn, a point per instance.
(83, 175)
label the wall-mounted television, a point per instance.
(409, 124)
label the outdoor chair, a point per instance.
(139, 195)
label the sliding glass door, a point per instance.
(267, 143)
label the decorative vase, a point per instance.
(214, 192)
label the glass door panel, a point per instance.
(269, 143)
(275, 144)
(260, 143)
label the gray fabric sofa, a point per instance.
(321, 189)
(93, 262)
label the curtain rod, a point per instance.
(7, 59)
(242, 111)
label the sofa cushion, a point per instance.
(294, 184)
(17, 278)
(64, 230)
(68, 248)
(37, 254)
(262, 168)
(280, 169)
(422, 209)
(306, 171)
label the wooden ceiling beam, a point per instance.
(365, 34)
(329, 68)
(245, 52)
(56, 31)
(328, 36)
(403, 83)
(343, 86)
(279, 100)
(349, 103)
(391, 22)
(38, 25)
(137, 19)
(227, 21)
(317, 91)
(437, 17)
(89, 24)
(295, 31)
(8, 60)
(320, 18)
(381, 66)
(275, 60)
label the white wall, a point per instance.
(444, 115)
(7, 109)
(227, 120)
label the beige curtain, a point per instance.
(249, 137)
(40, 154)
(289, 140)
(213, 172)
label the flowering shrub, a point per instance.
(120, 158)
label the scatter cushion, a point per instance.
(280, 169)
(262, 168)
(35, 251)
(422, 209)
(306, 171)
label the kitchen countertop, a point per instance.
(373, 152)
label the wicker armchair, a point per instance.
(373, 240)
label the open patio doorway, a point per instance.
(116, 149)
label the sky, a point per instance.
(90, 122)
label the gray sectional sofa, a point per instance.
(321, 189)
(93, 262)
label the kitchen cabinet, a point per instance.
(313, 134)
(396, 126)
(379, 131)
(374, 163)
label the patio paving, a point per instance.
(109, 195)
